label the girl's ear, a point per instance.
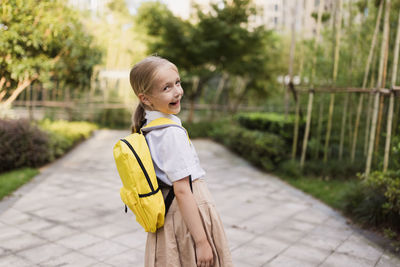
(144, 99)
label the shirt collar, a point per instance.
(151, 115)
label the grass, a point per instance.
(329, 191)
(10, 181)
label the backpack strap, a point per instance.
(171, 195)
(161, 123)
(158, 124)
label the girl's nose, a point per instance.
(178, 90)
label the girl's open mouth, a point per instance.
(175, 103)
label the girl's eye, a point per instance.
(165, 88)
(178, 82)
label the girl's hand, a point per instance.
(204, 254)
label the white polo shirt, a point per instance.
(174, 157)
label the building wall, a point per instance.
(95, 6)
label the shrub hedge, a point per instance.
(24, 144)
(263, 149)
(270, 122)
(376, 201)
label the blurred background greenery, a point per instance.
(246, 68)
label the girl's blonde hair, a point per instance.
(142, 78)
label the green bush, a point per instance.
(263, 149)
(200, 129)
(270, 122)
(22, 145)
(376, 201)
(64, 134)
(290, 168)
(114, 118)
(333, 168)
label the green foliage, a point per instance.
(290, 168)
(332, 192)
(43, 41)
(333, 169)
(22, 145)
(200, 129)
(114, 118)
(270, 122)
(222, 40)
(263, 149)
(10, 181)
(64, 135)
(376, 201)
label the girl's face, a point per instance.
(167, 92)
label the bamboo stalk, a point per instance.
(291, 57)
(382, 63)
(342, 130)
(319, 129)
(296, 130)
(311, 93)
(366, 73)
(335, 71)
(307, 132)
(391, 100)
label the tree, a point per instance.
(220, 41)
(42, 41)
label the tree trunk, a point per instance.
(195, 87)
(2, 82)
(241, 89)
(220, 88)
(20, 87)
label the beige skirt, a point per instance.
(173, 246)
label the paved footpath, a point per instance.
(71, 215)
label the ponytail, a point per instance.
(138, 118)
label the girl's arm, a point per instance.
(190, 213)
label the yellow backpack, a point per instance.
(140, 190)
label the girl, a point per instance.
(192, 234)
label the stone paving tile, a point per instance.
(284, 261)
(388, 261)
(339, 259)
(12, 260)
(22, 241)
(360, 247)
(135, 240)
(43, 253)
(56, 232)
(108, 231)
(322, 242)
(71, 259)
(73, 212)
(253, 254)
(127, 259)
(104, 250)
(79, 241)
(314, 255)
